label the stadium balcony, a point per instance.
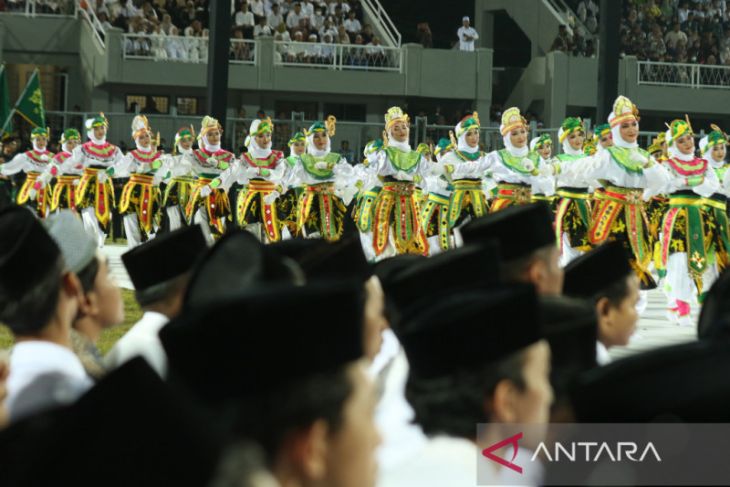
(105, 66)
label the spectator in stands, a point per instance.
(307, 9)
(166, 24)
(346, 152)
(425, 38)
(283, 33)
(367, 33)
(352, 25)
(175, 47)
(657, 48)
(257, 7)
(467, 35)
(316, 20)
(327, 50)
(295, 52)
(342, 35)
(261, 29)
(673, 37)
(240, 50)
(562, 41)
(293, 17)
(195, 29)
(275, 18)
(104, 21)
(312, 52)
(328, 29)
(375, 52)
(101, 8)
(244, 19)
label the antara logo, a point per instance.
(512, 440)
(593, 451)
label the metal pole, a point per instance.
(608, 58)
(219, 42)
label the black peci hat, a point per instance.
(165, 257)
(473, 328)
(588, 275)
(275, 336)
(520, 230)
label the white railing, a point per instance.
(41, 8)
(97, 28)
(338, 56)
(160, 47)
(378, 13)
(685, 75)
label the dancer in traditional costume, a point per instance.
(141, 200)
(396, 226)
(95, 193)
(435, 210)
(603, 135)
(327, 186)
(288, 201)
(35, 193)
(573, 215)
(67, 174)
(713, 147)
(208, 204)
(261, 171)
(541, 153)
(466, 167)
(179, 177)
(368, 186)
(689, 228)
(517, 176)
(629, 175)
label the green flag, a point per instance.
(5, 109)
(30, 103)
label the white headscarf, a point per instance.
(37, 148)
(312, 149)
(462, 145)
(619, 141)
(513, 150)
(675, 152)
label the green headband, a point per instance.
(297, 137)
(601, 130)
(443, 145)
(466, 125)
(70, 134)
(543, 141)
(39, 132)
(570, 125)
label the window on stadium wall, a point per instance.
(187, 105)
(346, 112)
(148, 104)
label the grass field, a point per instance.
(109, 337)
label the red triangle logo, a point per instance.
(512, 440)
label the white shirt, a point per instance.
(464, 44)
(353, 26)
(454, 462)
(292, 19)
(275, 20)
(244, 18)
(33, 359)
(602, 355)
(257, 7)
(142, 340)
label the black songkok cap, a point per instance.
(520, 230)
(27, 252)
(471, 329)
(165, 257)
(265, 339)
(592, 272)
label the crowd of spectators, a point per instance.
(677, 31)
(672, 31)
(178, 29)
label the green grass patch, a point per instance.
(109, 337)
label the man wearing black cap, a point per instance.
(604, 277)
(39, 298)
(297, 388)
(526, 242)
(160, 271)
(475, 357)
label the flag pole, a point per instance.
(7, 120)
